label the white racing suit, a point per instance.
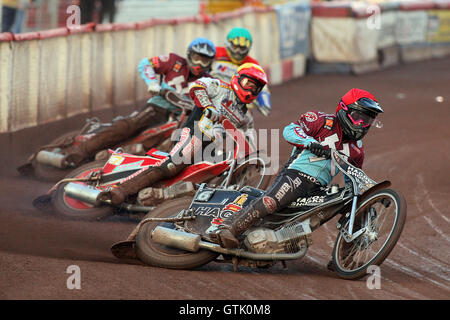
(207, 93)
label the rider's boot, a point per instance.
(230, 230)
(117, 132)
(144, 179)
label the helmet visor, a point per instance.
(250, 85)
(360, 118)
(199, 59)
(240, 50)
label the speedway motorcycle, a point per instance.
(48, 163)
(76, 196)
(179, 234)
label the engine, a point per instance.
(289, 238)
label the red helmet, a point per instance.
(356, 112)
(248, 82)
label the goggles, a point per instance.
(251, 85)
(201, 60)
(360, 118)
(242, 50)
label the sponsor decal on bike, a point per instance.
(270, 204)
(116, 160)
(310, 116)
(221, 214)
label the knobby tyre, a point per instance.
(384, 215)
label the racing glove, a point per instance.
(212, 114)
(153, 88)
(319, 150)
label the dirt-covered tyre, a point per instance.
(49, 173)
(158, 255)
(69, 208)
(383, 214)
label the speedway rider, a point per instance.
(176, 72)
(309, 169)
(234, 54)
(214, 99)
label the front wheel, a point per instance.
(70, 208)
(383, 214)
(158, 255)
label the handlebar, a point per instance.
(177, 99)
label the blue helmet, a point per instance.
(200, 55)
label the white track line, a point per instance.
(436, 228)
(427, 196)
(428, 260)
(415, 274)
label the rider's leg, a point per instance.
(289, 186)
(117, 132)
(180, 157)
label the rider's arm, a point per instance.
(149, 67)
(145, 69)
(295, 135)
(198, 90)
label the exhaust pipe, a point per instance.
(176, 239)
(192, 242)
(51, 158)
(83, 193)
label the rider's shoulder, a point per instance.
(249, 59)
(312, 116)
(173, 57)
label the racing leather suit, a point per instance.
(303, 175)
(206, 93)
(176, 76)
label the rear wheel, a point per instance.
(158, 255)
(383, 214)
(70, 208)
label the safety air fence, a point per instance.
(56, 74)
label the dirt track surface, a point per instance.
(412, 150)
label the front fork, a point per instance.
(348, 234)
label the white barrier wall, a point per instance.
(51, 75)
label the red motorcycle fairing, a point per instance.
(123, 166)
